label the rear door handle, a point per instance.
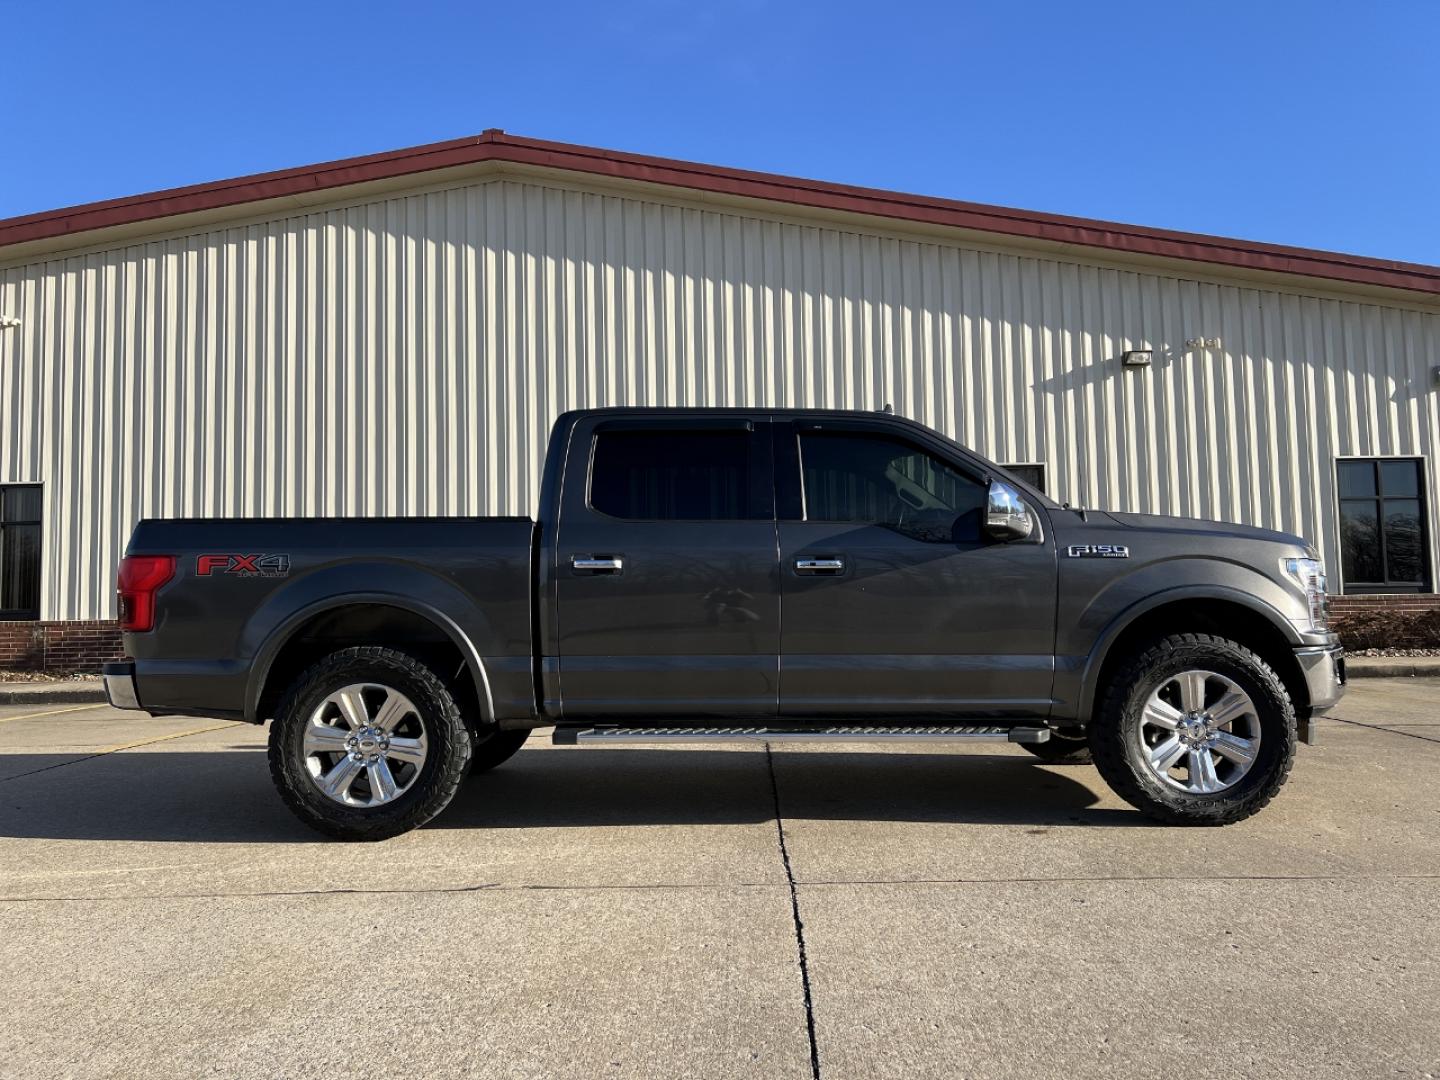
(816, 564)
(598, 564)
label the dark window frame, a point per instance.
(9, 614)
(1377, 502)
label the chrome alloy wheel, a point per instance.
(364, 745)
(1199, 732)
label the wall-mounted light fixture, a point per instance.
(1137, 358)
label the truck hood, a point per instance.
(1208, 529)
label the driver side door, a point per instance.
(893, 602)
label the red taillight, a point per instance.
(140, 578)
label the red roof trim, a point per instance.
(498, 146)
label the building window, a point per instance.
(1034, 475)
(671, 475)
(20, 551)
(1383, 546)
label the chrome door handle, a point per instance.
(598, 564)
(809, 564)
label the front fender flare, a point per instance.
(1095, 661)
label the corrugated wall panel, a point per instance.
(408, 356)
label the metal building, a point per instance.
(394, 334)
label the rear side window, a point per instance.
(667, 475)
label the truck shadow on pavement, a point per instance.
(227, 797)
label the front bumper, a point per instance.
(1324, 669)
(120, 686)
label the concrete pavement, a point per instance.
(629, 913)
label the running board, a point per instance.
(577, 735)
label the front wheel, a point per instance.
(367, 744)
(1195, 730)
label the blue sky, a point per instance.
(1315, 124)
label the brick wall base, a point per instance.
(1391, 621)
(59, 646)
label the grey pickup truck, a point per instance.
(769, 574)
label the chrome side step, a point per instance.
(579, 735)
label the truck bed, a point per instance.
(243, 586)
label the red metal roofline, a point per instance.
(500, 147)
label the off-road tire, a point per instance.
(1062, 749)
(445, 764)
(1115, 743)
(495, 749)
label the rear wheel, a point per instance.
(1195, 730)
(368, 744)
(1064, 747)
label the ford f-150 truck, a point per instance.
(763, 573)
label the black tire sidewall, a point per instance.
(447, 744)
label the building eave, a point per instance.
(124, 218)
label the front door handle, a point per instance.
(598, 564)
(819, 564)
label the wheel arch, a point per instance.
(375, 618)
(1226, 613)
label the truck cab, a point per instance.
(769, 565)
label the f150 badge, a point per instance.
(243, 565)
(1099, 551)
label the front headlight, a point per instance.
(1309, 574)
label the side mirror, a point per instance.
(1006, 515)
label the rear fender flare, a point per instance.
(272, 630)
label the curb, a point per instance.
(65, 695)
(1363, 667)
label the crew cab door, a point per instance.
(666, 575)
(895, 603)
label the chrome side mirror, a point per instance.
(1006, 515)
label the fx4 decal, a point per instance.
(243, 565)
(1099, 551)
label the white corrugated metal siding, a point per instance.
(407, 356)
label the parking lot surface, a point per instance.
(648, 913)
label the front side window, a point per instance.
(20, 507)
(1383, 541)
(879, 480)
(667, 475)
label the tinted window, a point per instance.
(1356, 478)
(1400, 478)
(883, 481)
(669, 475)
(1034, 475)
(20, 551)
(1382, 525)
(1360, 542)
